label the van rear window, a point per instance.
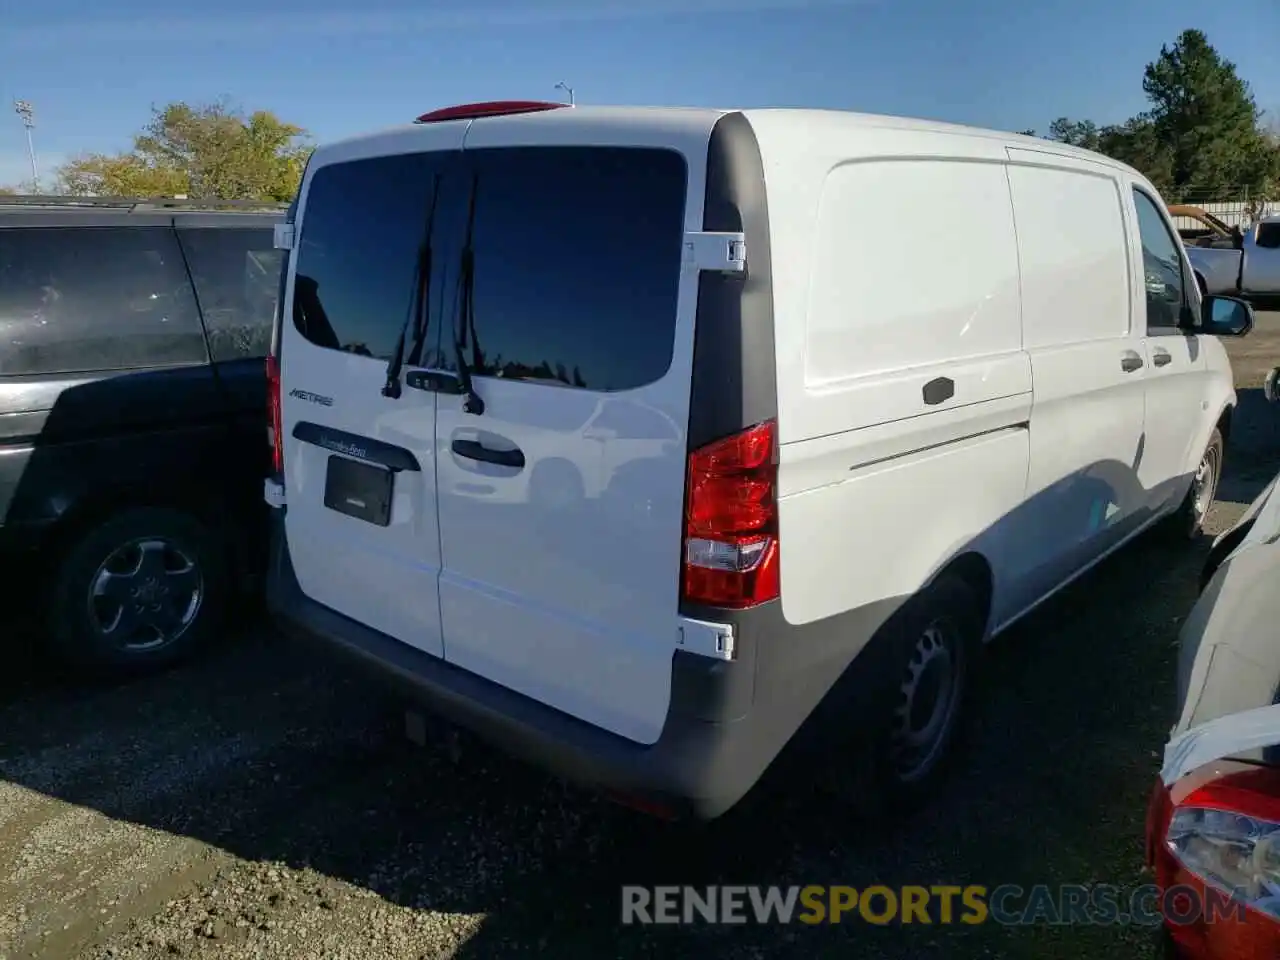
(362, 223)
(577, 263)
(576, 252)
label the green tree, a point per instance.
(1206, 116)
(1203, 132)
(1078, 133)
(205, 152)
(1137, 142)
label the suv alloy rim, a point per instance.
(146, 594)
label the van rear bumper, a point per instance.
(698, 768)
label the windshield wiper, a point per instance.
(416, 317)
(472, 402)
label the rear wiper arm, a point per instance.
(418, 305)
(472, 402)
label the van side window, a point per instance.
(1164, 285)
(78, 299)
(362, 223)
(1268, 235)
(237, 273)
(577, 264)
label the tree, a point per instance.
(124, 175)
(1206, 116)
(1203, 132)
(1137, 143)
(1078, 133)
(205, 152)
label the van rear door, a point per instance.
(561, 503)
(359, 465)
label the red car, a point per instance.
(1213, 839)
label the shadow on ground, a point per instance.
(263, 751)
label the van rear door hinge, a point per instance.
(716, 251)
(273, 493)
(707, 639)
(282, 238)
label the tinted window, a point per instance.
(95, 298)
(362, 224)
(577, 264)
(1161, 265)
(237, 274)
(1268, 235)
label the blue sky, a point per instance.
(93, 69)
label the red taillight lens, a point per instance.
(1214, 840)
(731, 520)
(275, 422)
(489, 108)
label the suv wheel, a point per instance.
(142, 589)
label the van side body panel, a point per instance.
(904, 393)
(1084, 495)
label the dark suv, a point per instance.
(132, 418)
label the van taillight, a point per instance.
(731, 520)
(275, 425)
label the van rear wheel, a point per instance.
(924, 672)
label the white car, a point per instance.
(834, 466)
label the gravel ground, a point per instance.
(261, 804)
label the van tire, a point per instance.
(1187, 521)
(939, 629)
(166, 554)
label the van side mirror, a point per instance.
(1225, 317)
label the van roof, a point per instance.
(651, 117)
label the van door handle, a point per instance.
(1130, 361)
(1161, 358)
(433, 381)
(474, 450)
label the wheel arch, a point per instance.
(1225, 418)
(976, 571)
(99, 505)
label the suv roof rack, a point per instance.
(138, 203)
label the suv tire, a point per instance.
(143, 589)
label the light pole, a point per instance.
(27, 112)
(567, 89)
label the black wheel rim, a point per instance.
(928, 703)
(145, 595)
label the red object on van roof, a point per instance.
(489, 108)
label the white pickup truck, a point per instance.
(1239, 263)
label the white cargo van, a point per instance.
(627, 437)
